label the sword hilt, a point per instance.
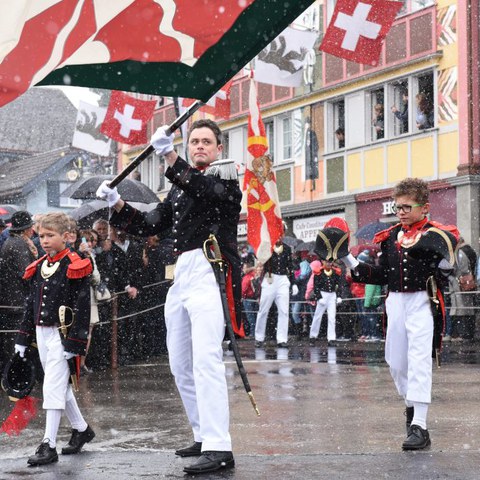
(211, 245)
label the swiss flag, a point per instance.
(218, 105)
(126, 119)
(358, 28)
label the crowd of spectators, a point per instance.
(129, 287)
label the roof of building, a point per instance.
(40, 120)
(22, 175)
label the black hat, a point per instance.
(21, 221)
(19, 376)
(332, 241)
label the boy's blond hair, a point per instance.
(57, 221)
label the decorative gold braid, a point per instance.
(339, 244)
(327, 243)
(451, 261)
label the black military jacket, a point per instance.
(397, 268)
(280, 263)
(69, 285)
(325, 283)
(196, 206)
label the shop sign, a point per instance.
(306, 229)
(387, 208)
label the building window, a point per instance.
(270, 132)
(399, 109)
(335, 125)
(410, 6)
(236, 146)
(386, 111)
(335, 174)
(54, 195)
(286, 136)
(377, 114)
(424, 101)
(284, 184)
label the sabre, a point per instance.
(218, 266)
(149, 150)
(72, 362)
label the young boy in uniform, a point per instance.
(325, 285)
(408, 263)
(58, 279)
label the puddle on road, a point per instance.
(351, 353)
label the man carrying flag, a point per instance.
(265, 227)
(204, 199)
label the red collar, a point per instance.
(415, 226)
(58, 256)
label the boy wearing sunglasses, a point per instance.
(410, 330)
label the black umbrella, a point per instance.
(130, 190)
(87, 213)
(304, 247)
(368, 231)
(292, 242)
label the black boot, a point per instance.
(194, 450)
(409, 418)
(78, 440)
(211, 462)
(44, 454)
(417, 438)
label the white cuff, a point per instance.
(350, 261)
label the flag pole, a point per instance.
(149, 150)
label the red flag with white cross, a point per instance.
(358, 28)
(126, 119)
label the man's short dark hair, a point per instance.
(207, 123)
(340, 131)
(414, 188)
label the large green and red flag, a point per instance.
(177, 48)
(264, 220)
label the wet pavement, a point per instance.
(326, 413)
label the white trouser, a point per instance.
(56, 390)
(328, 302)
(279, 292)
(195, 331)
(408, 346)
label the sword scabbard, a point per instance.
(211, 246)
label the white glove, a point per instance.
(20, 349)
(294, 290)
(111, 195)
(350, 261)
(162, 143)
(339, 300)
(68, 355)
